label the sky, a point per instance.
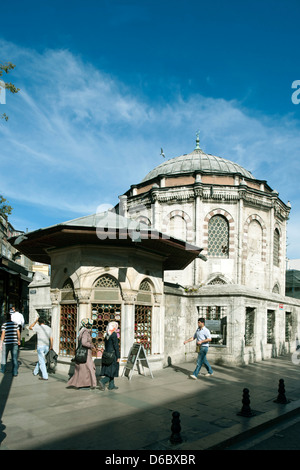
(105, 84)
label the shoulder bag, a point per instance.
(108, 358)
(81, 353)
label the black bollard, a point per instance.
(246, 410)
(175, 428)
(281, 398)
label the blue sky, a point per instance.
(105, 84)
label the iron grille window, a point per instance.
(67, 293)
(145, 285)
(102, 315)
(218, 237)
(288, 326)
(143, 323)
(216, 281)
(216, 322)
(68, 324)
(249, 326)
(270, 327)
(276, 247)
(108, 282)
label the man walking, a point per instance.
(17, 317)
(44, 343)
(203, 338)
(10, 340)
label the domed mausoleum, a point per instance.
(238, 281)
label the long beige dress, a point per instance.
(85, 374)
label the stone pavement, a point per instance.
(40, 415)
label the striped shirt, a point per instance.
(11, 335)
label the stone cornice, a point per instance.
(211, 193)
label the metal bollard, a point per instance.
(281, 398)
(246, 410)
(175, 428)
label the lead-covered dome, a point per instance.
(197, 161)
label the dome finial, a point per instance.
(197, 141)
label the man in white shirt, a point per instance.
(203, 338)
(17, 317)
(44, 343)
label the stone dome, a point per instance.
(197, 161)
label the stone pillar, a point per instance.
(83, 307)
(158, 327)
(55, 317)
(127, 323)
(240, 260)
(270, 274)
(197, 236)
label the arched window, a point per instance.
(68, 320)
(67, 292)
(276, 246)
(218, 237)
(106, 307)
(216, 281)
(107, 281)
(143, 316)
(106, 287)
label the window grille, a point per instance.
(216, 281)
(107, 290)
(249, 326)
(270, 327)
(68, 324)
(67, 292)
(218, 237)
(145, 285)
(276, 245)
(108, 282)
(68, 284)
(288, 326)
(216, 322)
(102, 315)
(143, 324)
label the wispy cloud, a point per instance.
(78, 137)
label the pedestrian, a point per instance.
(109, 372)
(17, 317)
(10, 340)
(85, 373)
(203, 338)
(44, 343)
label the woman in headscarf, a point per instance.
(109, 372)
(85, 374)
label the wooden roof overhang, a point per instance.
(37, 246)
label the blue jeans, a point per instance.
(13, 349)
(202, 360)
(41, 365)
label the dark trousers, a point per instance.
(109, 380)
(13, 349)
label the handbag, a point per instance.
(81, 353)
(51, 360)
(108, 358)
